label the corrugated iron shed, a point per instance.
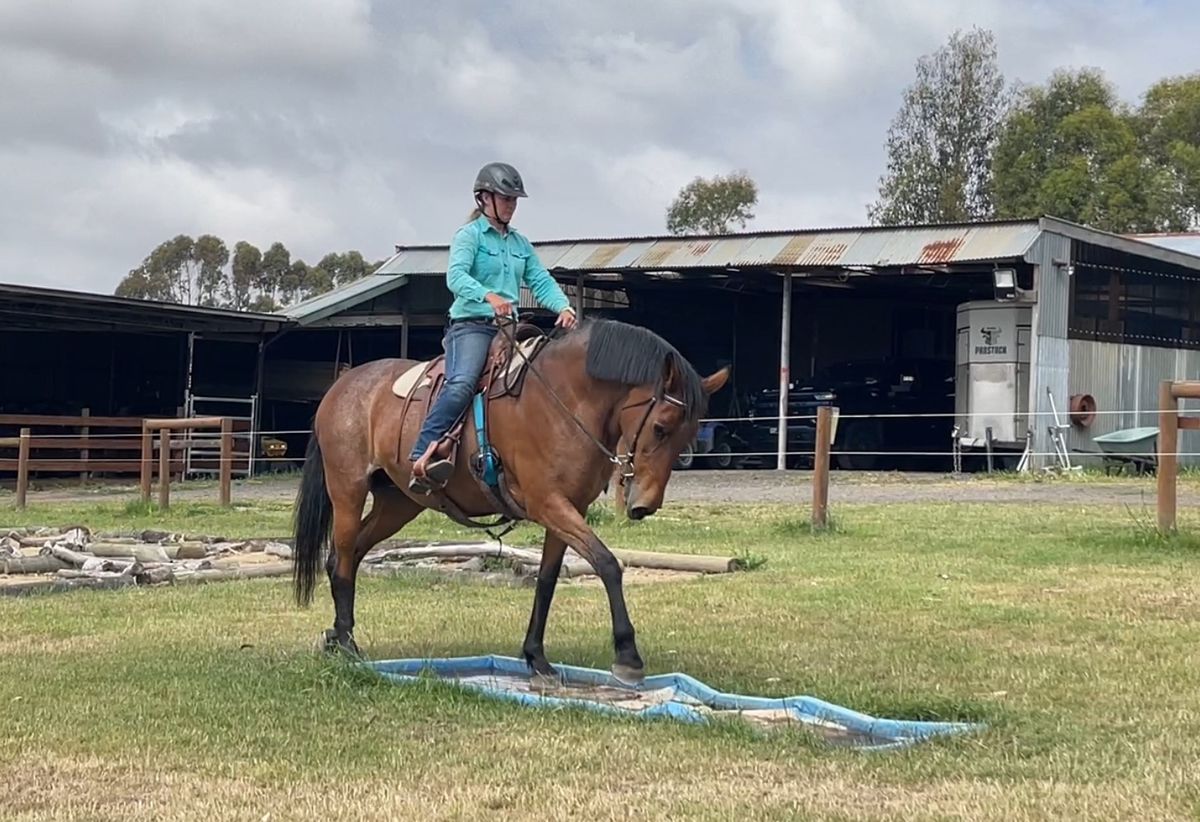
(819, 249)
(347, 296)
(27, 306)
(852, 248)
(1187, 242)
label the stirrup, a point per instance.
(439, 472)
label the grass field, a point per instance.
(1074, 633)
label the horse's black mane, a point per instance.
(631, 355)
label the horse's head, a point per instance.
(657, 423)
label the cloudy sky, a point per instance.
(339, 124)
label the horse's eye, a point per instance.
(660, 432)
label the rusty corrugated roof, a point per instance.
(816, 249)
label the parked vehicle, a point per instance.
(897, 395)
(714, 447)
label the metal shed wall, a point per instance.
(1049, 354)
(1125, 378)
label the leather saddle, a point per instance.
(503, 375)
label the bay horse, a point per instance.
(603, 394)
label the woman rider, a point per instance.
(488, 262)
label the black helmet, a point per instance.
(500, 178)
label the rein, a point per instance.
(622, 461)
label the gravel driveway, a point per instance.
(768, 487)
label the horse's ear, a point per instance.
(715, 382)
(670, 373)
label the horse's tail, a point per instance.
(312, 523)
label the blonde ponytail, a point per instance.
(474, 215)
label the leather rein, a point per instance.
(623, 461)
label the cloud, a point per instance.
(338, 124)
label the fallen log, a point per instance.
(453, 552)
(272, 569)
(187, 550)
(156, 575)
(678, 562)
(67, 555)
(47, 586)
(42, 564)
(110, 564)
(495, 578)
(130, 571)
(278, 549)
(142, 553)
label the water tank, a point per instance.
(991, 377)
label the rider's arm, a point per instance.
(544, 288)
(462, 258)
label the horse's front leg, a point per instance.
(563, 520)
(533, 648)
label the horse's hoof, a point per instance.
(627, 674)
(329, 643)
(326, 642)
(545, 681)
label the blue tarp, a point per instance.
(677, 696)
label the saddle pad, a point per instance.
(525, 351)
(406, 382)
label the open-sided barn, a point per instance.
(1026, 318)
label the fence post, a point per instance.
(147, 459)
(1168, 447)
(84, 453)
(23, 467)
(820, 505)
(227, 459)
(164, 469)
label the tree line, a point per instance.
(968, 145)
(203, 272)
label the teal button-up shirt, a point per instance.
(483, 260)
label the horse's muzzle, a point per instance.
(636, 506)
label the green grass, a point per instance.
(1072, 632)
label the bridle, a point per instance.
(623, 461)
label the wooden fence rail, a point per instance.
(164, 427)
(112, 446)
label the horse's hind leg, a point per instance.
(391, 510)
(340, 565)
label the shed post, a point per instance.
(785, 347)
(404, 332)
(579, 296)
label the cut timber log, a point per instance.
(677, 562)
(156, 575)
(142, 553)
(187, 550)
(278, 549)
(271, 569)
(73, 558)
(46, 586)
(452, 552)
(33, 565)
(495, 578)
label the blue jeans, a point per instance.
(466, 346)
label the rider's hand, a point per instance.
(566, 319)
(501, 306)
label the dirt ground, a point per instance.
(766, 487)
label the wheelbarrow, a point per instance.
(1136, 448)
